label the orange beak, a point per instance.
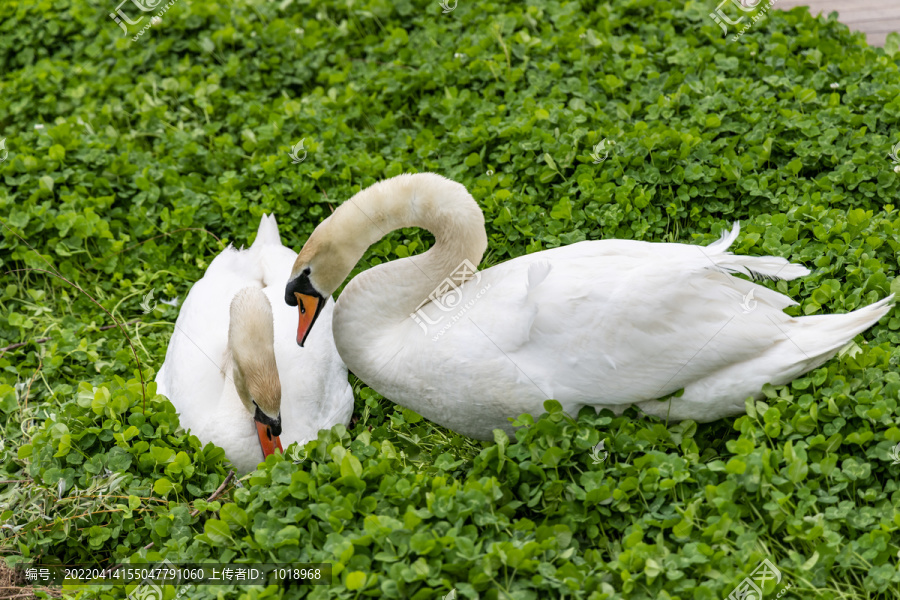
(267, 441)
(308, 306)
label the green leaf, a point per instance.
(232, 513)
(217, 531)
(552, 457)
(56, 152)
(892, 44)
(549, 160)
(356, 580)
(162, 487)
(350, 465)
(805, 95)
(8, 400)
(162, 456)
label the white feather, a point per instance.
(605, 324)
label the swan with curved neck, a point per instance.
(608, 323)
(252, 368)
(233, 370)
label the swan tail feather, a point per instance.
(267, 234)
(772, 268)
(727, 239)
(821, 336)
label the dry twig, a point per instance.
(216, 493)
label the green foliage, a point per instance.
(156, 154)
(101, 472)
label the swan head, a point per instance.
(301, 292)
(251, 340)
(319, 270)
(440, 205)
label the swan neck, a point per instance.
(251, 346)
(425, 200)
(381, 300)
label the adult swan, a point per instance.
(232, 369)
(605, 324)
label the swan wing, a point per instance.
(620, 320)
(194, 373)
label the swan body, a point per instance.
(231, 339)
(607, 324)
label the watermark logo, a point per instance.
(721, 18)
(746, 6)
(148, 589)
(295, 153)
(298, 455)
(446, 6)
(895, 157)
(146, 307)
(603, 146)
(3, 152)
(894, 455)
(599, 453)
(145, 6)
(748, 303)
(751, 587)
(447, 297)
(142, 5)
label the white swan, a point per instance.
(606, 323)
(232, 368)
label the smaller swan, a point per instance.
(236, 383)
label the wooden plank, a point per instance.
(829, 5)
(880, 27)
(876, 39)
(861, 16)
(875, 18)
(881, 14)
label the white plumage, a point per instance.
(197, 375)
(606, 324)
